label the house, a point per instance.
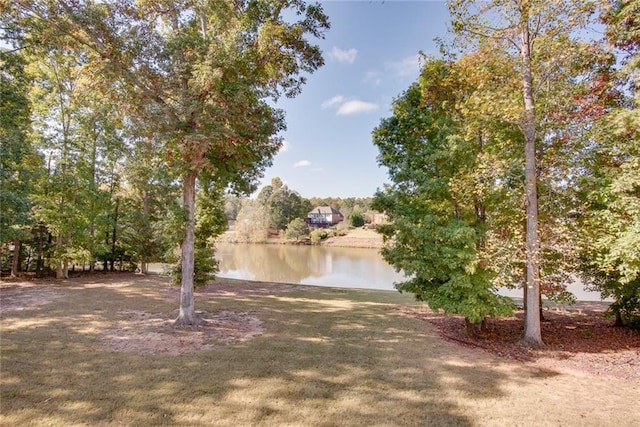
(324, 216)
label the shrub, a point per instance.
(356, 219)
(318, 235)
(296, 229)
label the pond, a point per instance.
(324, 266)
(307, 265)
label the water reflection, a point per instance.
(310, 265)
(328, 266)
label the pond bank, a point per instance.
(356, 238)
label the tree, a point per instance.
(356, 219)
(282, 204)
(198, 72)
(232, 204)
(150, 194)
(611, 227)
(210, 221)
(297, 228)
(435, 233)
(55, 96)
(252, 224)
(101, 135)
(537, 38)
(19, 163)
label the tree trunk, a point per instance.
(15, 262)
(59, 263)
(92, 230)
(618, 323)
(144, 266)
(65, 268)
(114, 235)
(40, 261)
(187, 307)
(473, 329)
(532, 328)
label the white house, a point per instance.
(324, 216)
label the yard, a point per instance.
(101, 350)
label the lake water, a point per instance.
(323, 266)
(307, 265)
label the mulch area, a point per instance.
(579, 338)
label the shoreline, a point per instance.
(355, 238)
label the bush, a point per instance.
(356, 219)
(318, 235)
(626, 307)
(296, 229)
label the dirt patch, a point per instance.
(578, 339)
(151, 333)
(154, 333)
(24, 296)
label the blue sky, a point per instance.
(371, 56)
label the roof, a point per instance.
(325, 210)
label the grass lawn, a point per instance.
(97, 350)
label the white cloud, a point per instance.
(302, 164)
(406, 67)
(355, 107)
(336, 100)
(348, 56)
(349, 106)
(373, 77)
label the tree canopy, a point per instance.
(196, 74)
(437, 228)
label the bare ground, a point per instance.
(152, 333)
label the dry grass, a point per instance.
(321, 357)
(356, 238)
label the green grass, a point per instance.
(326, 357)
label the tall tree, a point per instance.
(611, 227)
(57, 75)
(198, 72)
(19, 163)
(435, 202)
(149, 193)
(252, 223)
(101, 154)
(538, 38)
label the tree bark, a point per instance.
(144, 266)
(40, 260)
(59, 264)
(15, 262)
(114, 235)
(187, 307)
(65, 268)
(532, 329)
(473, 329)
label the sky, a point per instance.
(371, 56)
